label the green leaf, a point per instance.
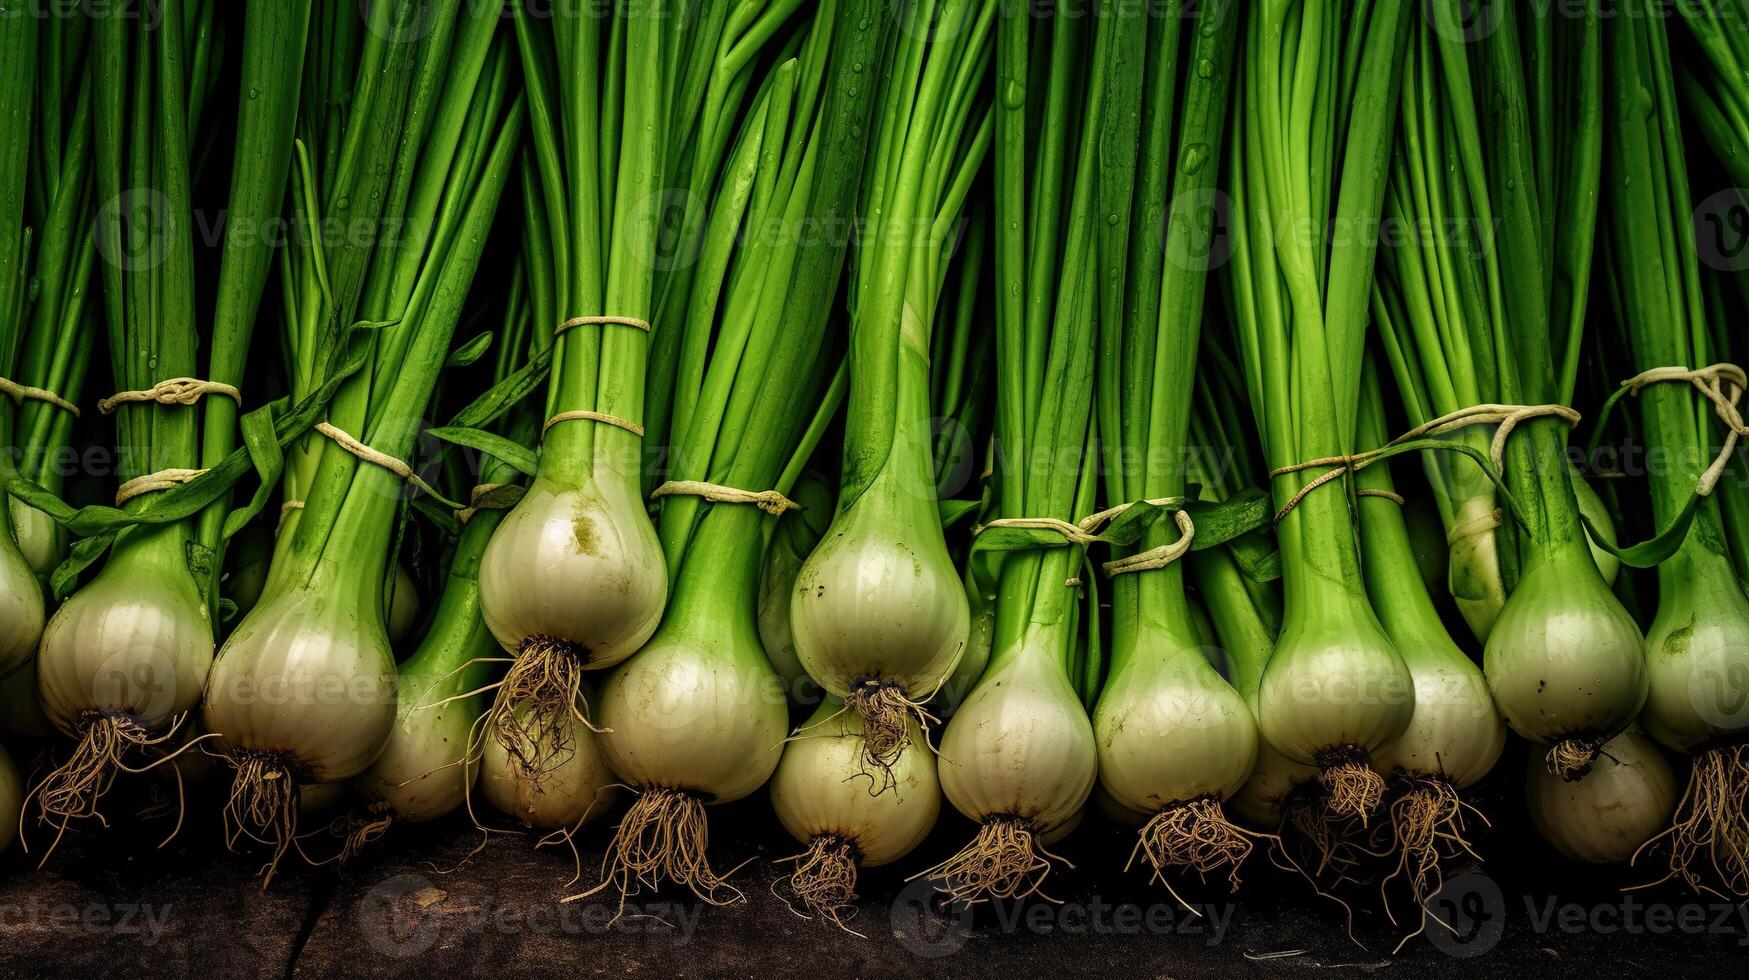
(954, 511)
(504, 395)
(510, 451)
(1219, 523)
(1653, 551)
(440, 516)
(469, 352)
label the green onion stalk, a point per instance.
(21, 595)
(798, 532)
(1455, 735)
(1019, 754)
(714, 82)
(879, 615)
(433, 756)
(1438, 289)
(1697, 647)
(1175, 739)
(1235, 588)
(123, 660)
(697, 717)
(53, 320)
(1725, 295)
(304, 690)
(961, 378)
(1498, 182)
(613, 99)
(1319, 99)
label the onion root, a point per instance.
(73, 790)
(885, 711)
(263, 807)
(664, 836)
(1572, 758)
(1196, 835)
(1006, 861)
(527, 714)
(1351, 787)
(824, 880)
(1710, 830)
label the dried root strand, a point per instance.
(824, 881)
(1572, 758)
(1005, 861)
(1327, 840)
(263, 807)
(664, 836)
(74, 790)
(1351, 787)
(886, 713)
(527, 716)
(359, 831)
(1196, 836)
(1708, 838)
(1427, 830)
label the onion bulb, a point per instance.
(1697, 652)
(303, 691)
(121, 662)
(697, 717)
(1454, 735)
(576, 787)
(879, 615)
(1175, 741)
(429, 764)
(826, 802)
(1610, 812)
(1019, 759)
(572, 581)
(1565, 662)
(21, 606)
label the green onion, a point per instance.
(1307, 187)
(1019, 753)
(614, 101)
(878, 617)
(1455, 735)
(696, 717)
(124, 659)
(1699, 638)
(1175, 739)
(304, 688)
(1497, 177)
